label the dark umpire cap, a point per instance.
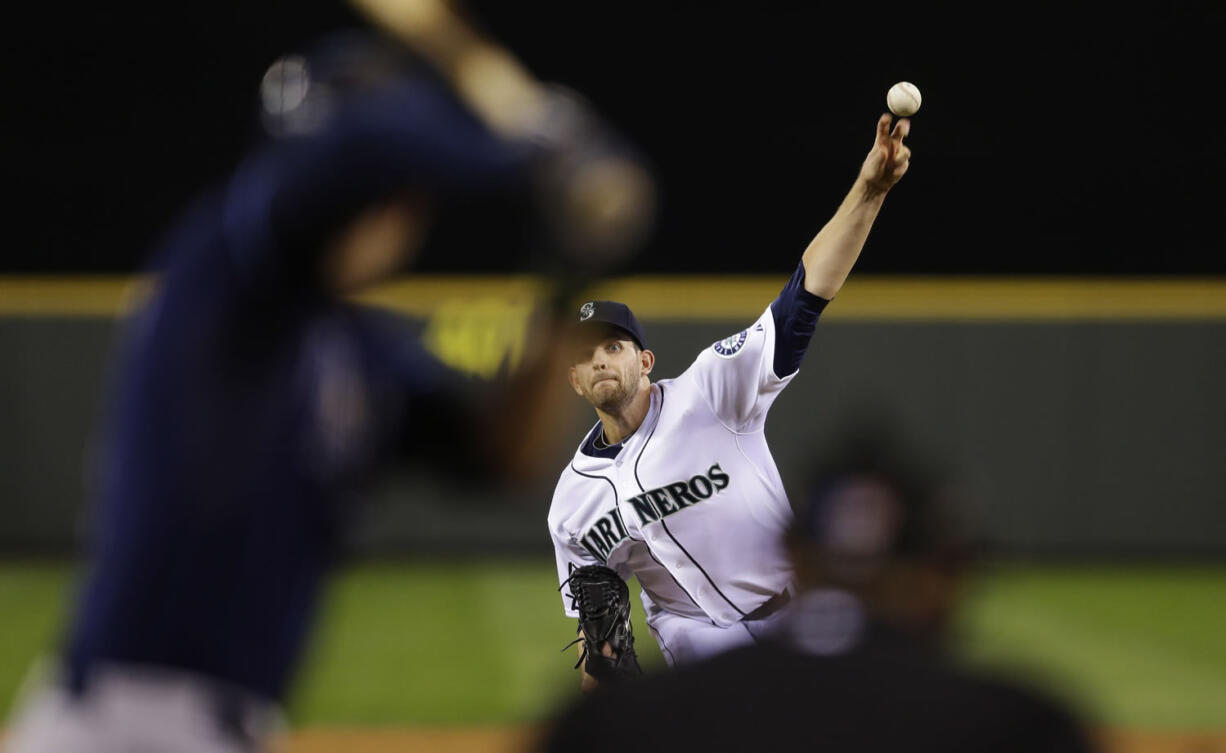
(869, 506)
(611, 314)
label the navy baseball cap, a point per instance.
(612, 314)
(350, 83)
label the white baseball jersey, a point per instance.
(692, 505)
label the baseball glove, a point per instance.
(603, 602)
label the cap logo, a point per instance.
(586, 311)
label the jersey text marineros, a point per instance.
(601, 538)
(660, 503)
(652, 505)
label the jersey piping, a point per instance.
(664, 524)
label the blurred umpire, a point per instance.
(251, 401)
(880, 552)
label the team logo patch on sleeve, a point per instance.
(731, 345)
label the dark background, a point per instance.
(1053, 139)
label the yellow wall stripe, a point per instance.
(69, 296)
(709, 298)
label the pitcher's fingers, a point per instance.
(901, 129)
(883, 127)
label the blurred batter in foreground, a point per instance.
(252, 401)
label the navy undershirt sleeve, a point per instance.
(795, 312)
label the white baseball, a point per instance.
(903, 99)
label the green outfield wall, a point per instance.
(1081, 417)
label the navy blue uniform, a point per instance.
(249, 404)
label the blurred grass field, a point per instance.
(472, 643)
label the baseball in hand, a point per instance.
(903, 99)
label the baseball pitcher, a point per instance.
(675, 484)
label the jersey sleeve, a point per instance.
(740, 375)
(567, 551)
(569, 556)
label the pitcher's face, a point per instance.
(608, 373)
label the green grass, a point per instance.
(33, 602)
(480, 642)
(1134, 646)
(443, 643)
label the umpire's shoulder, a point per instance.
(1026, 715)
(668, 710)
